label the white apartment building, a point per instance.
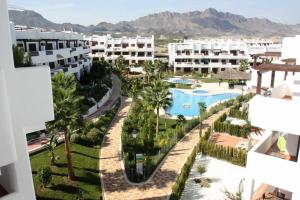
(273, 165)
(63, 51)
(25, 104)
(289, 55)
(214, 55)
(135, 50)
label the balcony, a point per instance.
(267, 164)
(266, 191)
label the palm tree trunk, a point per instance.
(157, 120)
(52, 158)
(200, 133)
(71, 174)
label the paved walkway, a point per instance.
(115, 94)
(114, 184)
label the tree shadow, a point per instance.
(89, 179)
(85, 155)
(65, 188)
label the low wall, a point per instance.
(99, 104)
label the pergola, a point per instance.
(231, 74)
(273, 67)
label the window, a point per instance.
(32, 47)
(149, 45)
(61, 45)
(49, 46)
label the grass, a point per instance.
(183, 86)
(85, 163)
(165, 124)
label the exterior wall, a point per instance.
(65, 51)
(274, 115)
(23, 91)
(131, 49)
(216, 54)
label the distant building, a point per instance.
(135, 50)
(65, 51)
(26, 104)
(215, 55)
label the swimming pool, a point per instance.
(200, 92)
(187, 103)
(180, 81)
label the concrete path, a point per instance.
(114, 184)
(115, 94)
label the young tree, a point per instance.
(244, 65)
(66, 110)
(180, 120)
(202, 110)
(51, 147)
(149, 70)
(158, 65)
(158, 96)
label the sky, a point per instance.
(87, 12)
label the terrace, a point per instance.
(266, 191)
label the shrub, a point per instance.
(45, 176)
(94, 135)
(201, 169)
(220, 125)
(230, 154)
(75, 138)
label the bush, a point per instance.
(178, 187)
(221, 126)
(45, 176)
(230, 154)
(201, 169)
(75, 138)
(94, 135)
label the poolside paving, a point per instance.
(115, 186)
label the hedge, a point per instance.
(230, 154)
(221, 126)
(178, 187)
(233, 112)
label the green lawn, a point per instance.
(183, 86)
(166, 123)
(85, 162)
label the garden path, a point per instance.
(115, 94)
(115, 185)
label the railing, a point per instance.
(34, 53)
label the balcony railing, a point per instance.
(49, 52)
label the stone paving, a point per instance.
(114, 183)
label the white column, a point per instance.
(248, 188)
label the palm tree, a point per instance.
(202, 110)
(158, 65)
(120, 65)
(66, 111)
(180, 120)
(50, 147)
(134, 90)
(148, 68)
(158, 96)
(244, 65)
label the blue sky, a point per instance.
(88, 12)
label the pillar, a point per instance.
(258, 86)
(272, 79)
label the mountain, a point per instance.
(210, 22)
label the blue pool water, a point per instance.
(187, 104)
(200, 91)
(180, 81)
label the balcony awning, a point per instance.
(59, 56)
